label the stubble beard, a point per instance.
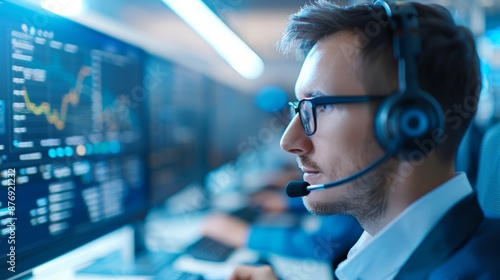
(366, 197)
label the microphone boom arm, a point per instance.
(302, 188)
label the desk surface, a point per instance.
(175, 233)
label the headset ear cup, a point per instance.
(404, 121)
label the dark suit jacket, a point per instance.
(463, 245)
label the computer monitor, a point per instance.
(178, 100)
(73, 136)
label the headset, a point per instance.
(410, 115)
(407, 117)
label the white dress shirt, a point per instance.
(382, 256)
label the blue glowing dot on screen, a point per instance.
(68, 151)
(271, 99)
(60, 152)
(52, 153)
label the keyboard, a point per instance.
(172, 274)
(209, 249)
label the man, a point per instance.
(421, 220)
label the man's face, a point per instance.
(343, 142)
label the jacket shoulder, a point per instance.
(478, 257)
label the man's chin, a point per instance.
(317, 210)
(318, 207)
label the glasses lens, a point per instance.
(307, 117)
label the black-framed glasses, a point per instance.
(306, 108)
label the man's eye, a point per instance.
(325, 107)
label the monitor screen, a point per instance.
(178, 109)
(72, 136)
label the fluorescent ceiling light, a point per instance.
(63, 7)
(213, 30)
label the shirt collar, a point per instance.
(381, 256)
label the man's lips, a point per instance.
(307, 166)
(312, 176)
(309, 171)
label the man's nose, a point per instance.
(294, 140)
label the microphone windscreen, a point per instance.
(297, 188)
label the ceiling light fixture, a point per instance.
(216, 33)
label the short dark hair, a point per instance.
(448, 66)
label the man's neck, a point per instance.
(406, 189)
